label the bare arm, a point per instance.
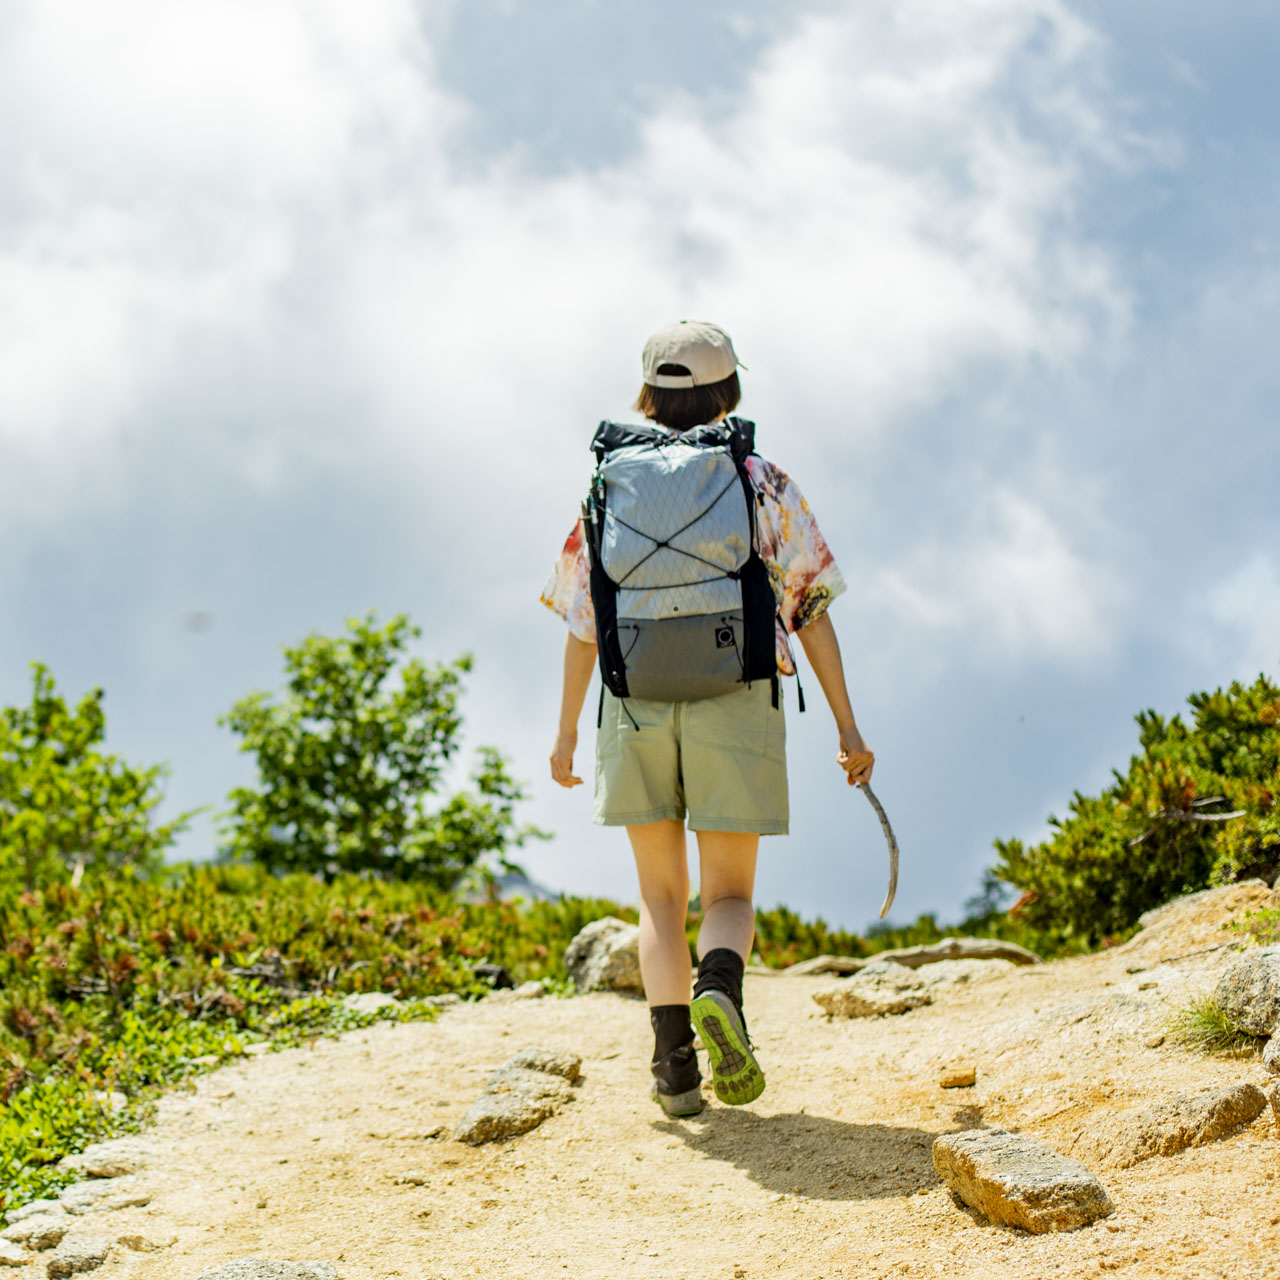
(823, 651)
(579, 662)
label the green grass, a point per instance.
(1206, 1026)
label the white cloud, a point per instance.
(1010, 588)
(241, 236)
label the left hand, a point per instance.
(855, 757)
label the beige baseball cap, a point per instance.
(704, 349)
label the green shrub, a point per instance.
(1200, 806)
(63, 802)
(349, 757)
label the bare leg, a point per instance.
(663, 868)
(728, 861)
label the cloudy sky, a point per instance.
(309, 308)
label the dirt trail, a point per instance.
(298, 1154)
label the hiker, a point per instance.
(693, 561)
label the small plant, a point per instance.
(1205, 1025)
(1261, 927)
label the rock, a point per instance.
(1274, 1098)
(443, 1001)
(33, 1207)
(112, 1159)
(13, 1255)
(1155, 1040)
(881, 988)
(1194, 921)
(519, 1096)
(369, 1001)
(1019, 1181)
(89, 1197)
(40, 1231)
(77, 1254)
(495, 975)
(960, 1075)
(533, 990)
(1192, 1120)
(556, 1062)
(146, 1244)
(959, 973)
(1250, 991)
(1271, 1055)
(267, 1269)
(605, 956)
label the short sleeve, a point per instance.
(804, 573)
(568, 589)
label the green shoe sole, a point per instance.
(735, 1074)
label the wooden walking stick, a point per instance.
(893, 847)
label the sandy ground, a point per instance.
(324, 1152)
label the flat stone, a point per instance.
(883, 987)
(13, 1255)
(1019, 1181)
(146, 1244)
(1249, 991)
(267, 1269)
(113, 1159)
(369, 1001)
(605, 956)
(1271, 1055)
(78, 1254)
(444, 1001)
(40, 1231)
(556, 1062)
(1192, 1120)
(959, 1075)
(32, 1207)
(515, 1100)
(962, 973)
(532, 990)
(101, 1195)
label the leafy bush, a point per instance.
(1200, 806)
(63, 801)
(126, 983)
(348, 758)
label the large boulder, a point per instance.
(882, 987)
(1191, 1120)
(1019, 1181)
(605, 956)
(1250, 991)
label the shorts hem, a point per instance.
(639, 819)
(744, 826)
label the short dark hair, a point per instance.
(683, 407)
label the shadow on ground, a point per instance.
(813, 1156)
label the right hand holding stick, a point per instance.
(855, 758)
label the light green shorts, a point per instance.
(722, 760)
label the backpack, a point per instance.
(683, 603)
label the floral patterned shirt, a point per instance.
(803, 572)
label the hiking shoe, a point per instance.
(677, 1082)
(735, 1073)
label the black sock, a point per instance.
(671, 1028)
(721, 969)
